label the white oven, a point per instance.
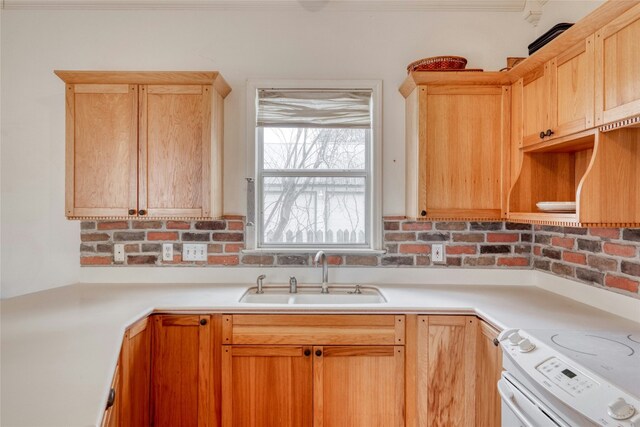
(570, 378)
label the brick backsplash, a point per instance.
(604, 257)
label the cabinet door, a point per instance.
(467, 140)
(136, 374)
(358, 386)
(267, 386)
(175, 150)
(536, 103)
(446, 374)
(572, 83)
(184, 386)
(618, 68)
(112, 415)
(488, 370)
(101, 149)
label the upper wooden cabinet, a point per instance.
(457, 154)
(618, 68)
(144, 144)
(558, 98)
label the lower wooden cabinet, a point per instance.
(229, 370)
(184, 382)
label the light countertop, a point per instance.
(59, 347)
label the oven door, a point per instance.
(520, 408)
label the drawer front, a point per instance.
(293, 329)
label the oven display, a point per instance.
(568, 373)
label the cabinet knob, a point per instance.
(542, 135)
(142, 212)
(111, 399)
(203, 322)
(549, 132)
(496, 342)
(307, 352)
(132, 211)
(318, 353)
(423, 213)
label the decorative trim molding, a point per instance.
(533, 11)
(310, 5)
(631, 122)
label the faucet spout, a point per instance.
(321, 258)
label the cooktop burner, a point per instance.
(593, 345)
(613, 355)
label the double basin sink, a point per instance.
(338, 294)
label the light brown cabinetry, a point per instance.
(143, 144)
(617, 68)
(457, 154)
(558, 98)
(488, 371)
(320, 370)
(446, 360)
(136, 375)
(185, 379)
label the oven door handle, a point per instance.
(507, 397)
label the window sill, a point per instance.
(328, 251)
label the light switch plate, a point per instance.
(437, 253)
(118, 252)
(194, 252)
(167, 251)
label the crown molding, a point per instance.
(310, 5)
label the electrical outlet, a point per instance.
(167, 251)
(118, 252)
(437, 253)
(194, 252)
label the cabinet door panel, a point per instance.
(175, 138)
(489, 368)
(535, 105)
(464, 156)
(617, 68)
(136, 370)
(447, 348)
(267, 386)
(573, 85)
(101, 151)
(184, 386)
(358, 386)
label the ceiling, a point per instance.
(383, 5)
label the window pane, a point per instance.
(313, 210)
(314, 148)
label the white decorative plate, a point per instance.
(557, 206)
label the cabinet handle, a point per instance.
(307, 352)
(496, 342)
(132, 211)
(318, 353)
(423, 213)
(549, 132)
(542, 135)
(111, 399)
(142, 212)
(203, 322)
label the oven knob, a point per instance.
(620, 410)
(525, 346)
(515, 338)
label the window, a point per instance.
(315, 152)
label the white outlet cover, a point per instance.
(167, 251)
(194, 252)
(118, 252)
(437, 253)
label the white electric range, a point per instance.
(570, 378)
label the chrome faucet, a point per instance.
(322, 258)
(293, 285)
(259, 283)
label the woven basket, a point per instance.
(438, 63)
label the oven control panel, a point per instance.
(566, 377)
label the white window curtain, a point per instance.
(314, 108)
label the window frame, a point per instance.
(372, 173)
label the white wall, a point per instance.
(557, 11)
(40, 249)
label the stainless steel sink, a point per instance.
(310, 295)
